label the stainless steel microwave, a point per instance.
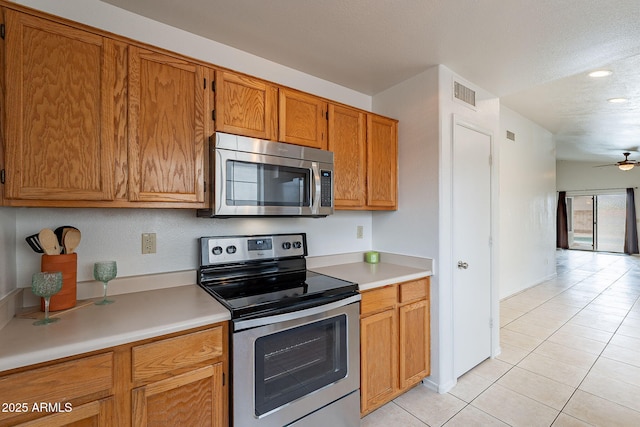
(253, 177)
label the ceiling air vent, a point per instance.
(511, 135)
(464, 94)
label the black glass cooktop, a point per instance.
(278, 293)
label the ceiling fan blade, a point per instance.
(626, 161)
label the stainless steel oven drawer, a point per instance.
(343, 412)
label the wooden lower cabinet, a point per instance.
(414, 343)
(189, 399)
(394, 341)
(379, 363)
(94, 414)
(171, 380)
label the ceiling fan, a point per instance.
(625, 165)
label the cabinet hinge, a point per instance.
(213, 115)
(2, 175)
(2, 31)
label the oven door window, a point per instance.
(258, 184)
(296, 362)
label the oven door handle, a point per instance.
(268, 320)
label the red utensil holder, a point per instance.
(68, 265)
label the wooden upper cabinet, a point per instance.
(169, 124)
(382, 162)
(302, 119)
(246, 106)
(60, 127)
(347, 140)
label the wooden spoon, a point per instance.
(49, 242)
(71, 239)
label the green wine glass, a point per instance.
(105, 271)
(45, 285)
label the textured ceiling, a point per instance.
(534, 54)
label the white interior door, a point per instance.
(471, 247)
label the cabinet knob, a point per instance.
(462, 265)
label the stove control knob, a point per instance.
(231, 249)
(286, 245)
(217, 250)
(297, 245)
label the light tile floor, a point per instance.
(570, 357)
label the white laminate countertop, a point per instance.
(151, 313)
(392, 269)
(133, 317)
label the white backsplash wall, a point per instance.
(115, 234)
(7, 254)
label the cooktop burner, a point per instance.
(257, 276)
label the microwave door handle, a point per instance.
(316, 192)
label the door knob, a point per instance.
(463, 265)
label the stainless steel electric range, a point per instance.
(295, 358)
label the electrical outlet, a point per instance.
(148, 243)
(360, 232)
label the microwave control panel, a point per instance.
(325, 188)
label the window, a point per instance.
(596, 221)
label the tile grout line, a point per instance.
(599, 354)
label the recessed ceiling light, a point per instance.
(617, 100)
(600, 73)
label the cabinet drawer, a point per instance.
(173, 353)
(61, 382)
(378, 299)
(414, 290)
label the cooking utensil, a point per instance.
(34, 243)
(49, 242)
(60, 232)
(71, 240)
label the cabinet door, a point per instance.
(167, 355)
(379, 359)
(80, 380)
(414, 343)
(168, 126)
(302, 119)
(246, 106)
(92, 414)
(194, 398)
(382, 162)
(347, 140)
(60, 126)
